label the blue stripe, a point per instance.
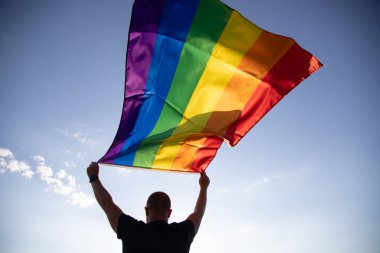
(175, 24)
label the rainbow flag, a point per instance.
(198, 73)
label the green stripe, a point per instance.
(208, 25)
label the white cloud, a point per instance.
(17, 166)
(61, 183)
(9, 163)
(39, 159)
(3, 165)
(44, 171)
(64, 184)
(62, 174)
(81, 199)
(27, 173)
(6, 153)
(64, 190)
(71, 181)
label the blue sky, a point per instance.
(305, 179)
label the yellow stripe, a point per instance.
(236, 39)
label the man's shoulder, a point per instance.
(127, 224)
(186, 225)
(127, 219)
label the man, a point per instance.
(156, 235)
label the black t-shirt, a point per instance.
(154, 237)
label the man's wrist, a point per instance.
(203, 188)
(93, 178)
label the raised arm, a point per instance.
(200, 207)
(102, 196)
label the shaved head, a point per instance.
(159, 202)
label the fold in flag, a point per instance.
(198, 73)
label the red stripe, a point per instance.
(295, 66)
(206, 154)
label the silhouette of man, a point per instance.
(156, 235)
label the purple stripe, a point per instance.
(146, 15)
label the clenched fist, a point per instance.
(93, 169)
(204, 181)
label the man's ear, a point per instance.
(169, 213)
(147, 211)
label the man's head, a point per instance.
(158, 207)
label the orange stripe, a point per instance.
(188, 152)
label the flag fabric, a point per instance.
(198, 73)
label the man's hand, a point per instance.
(204, 181)
(93, 169)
